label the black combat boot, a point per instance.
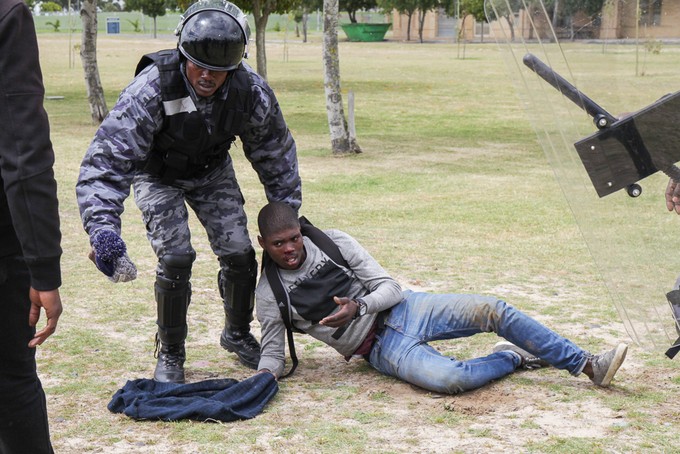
(243, 343)
(170, 365)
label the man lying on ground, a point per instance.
(359, 310)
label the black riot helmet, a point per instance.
(214, 34)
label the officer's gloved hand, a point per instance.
(110, 255)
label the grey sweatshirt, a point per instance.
(368, 280)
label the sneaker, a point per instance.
(529, 361)
(606, 365)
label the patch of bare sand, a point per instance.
(500, 417)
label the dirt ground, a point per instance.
(333, 406)
(502, 417)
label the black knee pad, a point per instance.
(176, 267)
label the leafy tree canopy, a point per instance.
(402, 6)
(473, 7)
(352, 6)
(151, 8)
(50, 7)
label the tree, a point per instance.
(352, 6)
(423, 7)
(301, 14)
(183, 5)
(88, 55)
(465, 9)
(407, 7)
(50, 7)
(569, 8)
(341, 142)
(504, 9)
(590, 7)
(261, 10)
(151, 8)
(110, 6)
(473, 8)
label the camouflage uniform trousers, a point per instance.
(215, 198)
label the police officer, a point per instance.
(168, 137)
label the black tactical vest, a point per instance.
(184, 148)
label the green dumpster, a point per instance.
(365, 32)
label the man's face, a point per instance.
(205, 81)
(285, 248)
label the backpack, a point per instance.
(323, 242)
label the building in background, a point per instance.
(617, 20)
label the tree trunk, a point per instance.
(261, 15)
(260, 26)
(88, 56)
(462, 36)
(408, 27)
(305, 21)
(341, 143)
(556, 8)
(510, 21)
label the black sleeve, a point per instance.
(29, 209)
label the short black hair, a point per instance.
(275, 217)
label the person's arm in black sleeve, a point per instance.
(26, 160)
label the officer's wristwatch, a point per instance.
(362, 307)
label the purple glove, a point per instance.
(110, 256)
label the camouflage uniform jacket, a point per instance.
(125, 140)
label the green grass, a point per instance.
(282, 24)
(452, 194)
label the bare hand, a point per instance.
(673, 196)
(51, 302)
(342, 317)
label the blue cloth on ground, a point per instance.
(219, 399)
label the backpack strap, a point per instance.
(283, 302)
(329, 248)
(323, 241)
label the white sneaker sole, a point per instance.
(617, 360)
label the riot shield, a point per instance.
(601, 94)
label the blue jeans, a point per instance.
(401, 349)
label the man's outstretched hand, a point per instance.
(51, 302)
(342, 317)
